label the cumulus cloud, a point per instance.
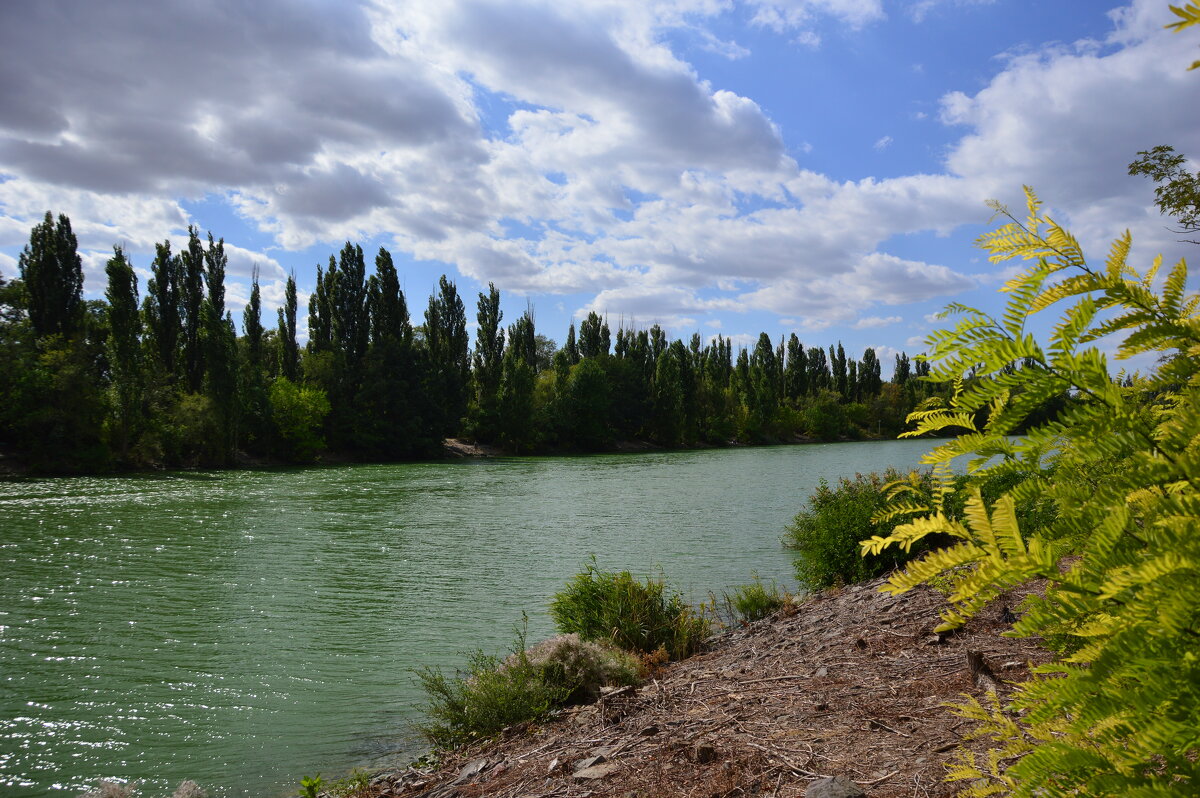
(625, 175)
(871, 322)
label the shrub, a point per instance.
(580, 666)
(756, 601)
(634, 615)
(491, 695)
(828, 532)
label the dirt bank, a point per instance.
(850, 683)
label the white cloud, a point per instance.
(626, 171)
(871, 322)
(782, 15)
(883, 143)
(1068, 121)
(9, 267)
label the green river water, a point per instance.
(244, 629)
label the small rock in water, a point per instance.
(834, 787)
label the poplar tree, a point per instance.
(124, 347)
(52, 272)
(448, 369)
(869, 373)
(489, 363)
(570, 347)
(163, 306)
(289, 352)
(191, 299)
(796, 371)
(594, 336)
(254, 392)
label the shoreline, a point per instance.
(12, 469)
(850, 682)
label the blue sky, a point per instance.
(816, 166)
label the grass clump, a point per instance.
(493, 694)
(756, 601)
(584, 666)
(637, 616)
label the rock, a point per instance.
(595, 772)
(834, 787)
(703, 753)
(822, 672)
(588, 762)
(555, 766)
(471, 770)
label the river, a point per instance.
(247, 628)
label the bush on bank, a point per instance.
(638, 616)
(829, 531)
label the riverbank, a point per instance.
(13, 467)
(848, 683)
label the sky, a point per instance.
(715, 166)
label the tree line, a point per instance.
(164, 378)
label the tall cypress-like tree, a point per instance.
(570, 346)
(254, 426)
(215, 262)
(448, 370)
(124, 348)
(320, 309)
(523, 337)
(489, 364)
(163, 300)
(870, 374)
(289, 351)
(837, 362)
(52, 271)
(818, 369)
(191, 301)
(388, 421)
(796, 371)
(389, 310)
(350, 321)
(902, 369)
(594, 336)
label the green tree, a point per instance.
(1178, 190)
(191, 306)
(588, 405)
(124, 350)
(52, 272)
(489, 366)
(163, 306)
(289, 351)
(796, 370)
(594, 336)
(515, 400)
(870, 373)
(298, 414)
(255, 402)
(448, 370)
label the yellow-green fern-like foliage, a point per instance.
(1118, 713)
